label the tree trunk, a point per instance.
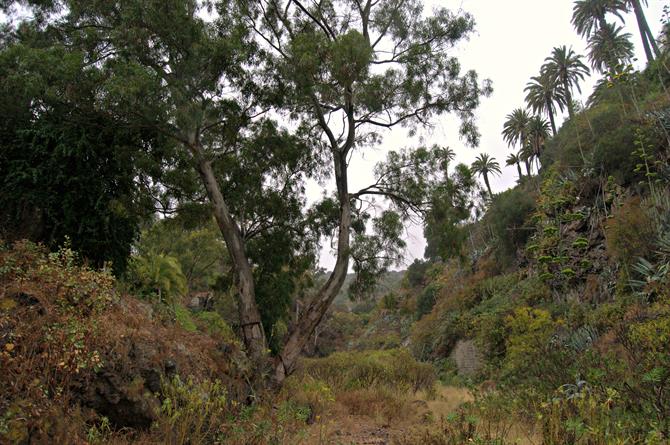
(488, 186)
(250, 318)
(551, 118)
(641, 22)
(313, 313)
(568, 99)
(518, 168)
(651, 39)
(527, 162)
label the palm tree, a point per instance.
(589, 15)
(648, 40)
(485, 165)
(542, 95)
(526, 155)
(162, 274)
(567, 69)
(448, 155)
(610, 48)
(515, 128)
(513, 159)
(538, 133)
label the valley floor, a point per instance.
(422, 411)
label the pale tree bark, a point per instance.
(250, 318)
(313, 313)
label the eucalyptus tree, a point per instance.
(515, 128)
(485, 165)
(168, 69)
(538, 133)
(514, 159)
(347, 72)
(567, 69)
(453, 205)
(543, 94)
(610, 49)
(338, 76)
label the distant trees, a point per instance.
(159, 274)
(515, 132)
(589, 20)
(453, 206)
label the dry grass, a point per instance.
(374, 415)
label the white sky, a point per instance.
(512, 38)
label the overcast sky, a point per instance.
(511, 41)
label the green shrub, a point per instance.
(394, 369)
(630, 232)
(416, 272)
(507, 218)
(214, 324)
(426, 300)
(184, 319)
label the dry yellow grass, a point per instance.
(370, 417)
(348, 422)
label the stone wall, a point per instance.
(467, 357)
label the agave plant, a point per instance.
(571, 391)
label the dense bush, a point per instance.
(393, 369)
(630, 232)
(426, 300)
(416, 272)
(508, 219)
(80, 362)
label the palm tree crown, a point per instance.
(448, 155)
(515, 128)
(610, 48)
(543, 93)
(588, 16)
(485, 165)
(566, 68)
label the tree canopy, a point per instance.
(250, 100)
